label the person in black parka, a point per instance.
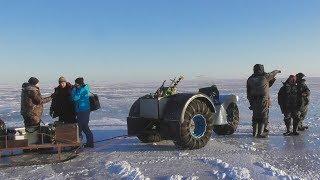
(288, 101)
(303, 99)
(258, 94)
(62, 105)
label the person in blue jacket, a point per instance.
(80, 96)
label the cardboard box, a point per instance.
(67, 133)
(19, 137)
(17, 143)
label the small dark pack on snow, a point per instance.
(94, 102)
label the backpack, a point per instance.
(211, 92)
(259, 85)
(94, 102)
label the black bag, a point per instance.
(259, 85)
(211, 92)
(94, 102)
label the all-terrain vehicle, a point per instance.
(188, 119)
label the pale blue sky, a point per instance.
(125, 40)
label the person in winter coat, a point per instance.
(32, 107)
(258, 87)
(288, 101)
(303, 99)
(2, 128)
(32, 102)
(62, 105)
(80, 96)
(3, 132)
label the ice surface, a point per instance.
(238, 156)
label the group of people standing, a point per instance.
(70, 103)
(293, 99)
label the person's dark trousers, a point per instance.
(304, 112)
(260, 108)
(68, 118)
(83, 123)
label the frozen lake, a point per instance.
(238, 156)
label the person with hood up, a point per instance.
(303, 100)
(80, 96)
(3, 133)
(2, 128)
(288, 101)
(62, 105)
(258, 87)
(32, 108)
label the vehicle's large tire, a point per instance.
(233, 121)
(144, 138)
(196, 129)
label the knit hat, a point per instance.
(33, 81)
(62, 79)
(79, 81)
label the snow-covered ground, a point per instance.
(238, 156)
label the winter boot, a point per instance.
(255, 130)
(90, 145)
(266, 128)
(294, 133)
(303, 128)
(261, 131)
(295, 129)
(288, 133)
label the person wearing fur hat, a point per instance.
(62, 105)
(3, 132)
(288, 101)
(80, 96)
(258, 89)
(32, 107)
(303, 99)
(2, 128)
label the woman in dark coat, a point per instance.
(62, 105)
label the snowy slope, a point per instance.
(232, 157)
